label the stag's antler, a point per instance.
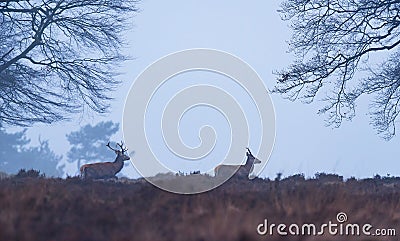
(123, 149)
(108, 145)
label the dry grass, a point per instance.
(72, 209)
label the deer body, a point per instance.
(102, 170)
(243, 171)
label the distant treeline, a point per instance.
(86, 145)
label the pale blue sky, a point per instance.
(254, 32)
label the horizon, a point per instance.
(303, 144)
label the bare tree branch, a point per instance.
(58, 57)
(332, 40)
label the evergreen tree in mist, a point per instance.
(88, 144)
(15, 154)
(45, 159)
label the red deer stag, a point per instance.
(243, 171)
(103, 170)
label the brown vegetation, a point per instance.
(37, 208)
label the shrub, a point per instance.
(30, 173)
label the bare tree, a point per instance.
(58, 57)
(333, 42)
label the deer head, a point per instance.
(251, 158)
(120, 153)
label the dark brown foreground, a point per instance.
(71, 209)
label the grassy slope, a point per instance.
(56, 209)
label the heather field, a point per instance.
(39, 208)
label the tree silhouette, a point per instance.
(59, 56)
(11, 148)
(15, 154)
(45, 160)
(332, 42)
(89, 143)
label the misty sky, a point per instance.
(254, 32)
